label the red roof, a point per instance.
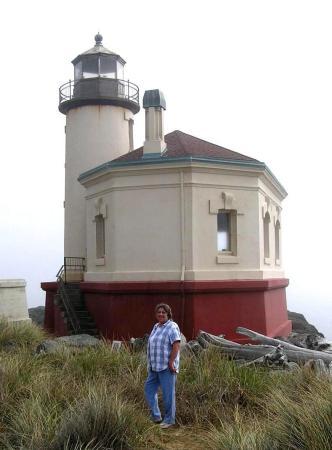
(181, 145)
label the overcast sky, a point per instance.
(254, 76)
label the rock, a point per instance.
(276, 357)
(304, 334)
(301, 325)
(73, 342)
(193, 347)
(183, 341)
(310, 341)
(9, 346)
(140, 344)
(293, 367)
(37, 315)
(318, 366)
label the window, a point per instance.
(100, 236)
(131, 134)
(120, 75)
(226, 232)
(90, 67)
(107, 67)
(277, 242)
(78, 71)
(267, 235)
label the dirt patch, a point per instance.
(181, 438)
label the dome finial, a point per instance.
(98, 38)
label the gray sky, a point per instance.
(253, 76)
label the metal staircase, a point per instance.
(70, 299)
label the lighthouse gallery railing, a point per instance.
(99, 87)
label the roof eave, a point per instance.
(105, 167)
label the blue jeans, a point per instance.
(166, 380)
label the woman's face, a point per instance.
(161, 315)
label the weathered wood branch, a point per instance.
(257, 351)
(314, 354)
(254, 336)
(251, 352)
(217, 340)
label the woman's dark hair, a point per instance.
(167, 309)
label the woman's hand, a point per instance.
(171, 366)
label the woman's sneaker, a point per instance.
(166, 425)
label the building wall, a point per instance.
(155, 223)
(214, 191)
(142, 228)
(94, 135)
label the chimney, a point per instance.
(154, 105)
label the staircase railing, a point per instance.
(73, 264)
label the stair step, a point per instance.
(86, 322)
(91, 331)
(86, 319)
(83, 315)
(73, 294)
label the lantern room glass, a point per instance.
(107, 67)
(93, 66)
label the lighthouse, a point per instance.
(99, 106)
(178, 220)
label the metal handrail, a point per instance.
(71, 313)
(71, 264)
(131, 90)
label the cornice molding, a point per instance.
(259, 170)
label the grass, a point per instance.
(93, 399)
(103, 418)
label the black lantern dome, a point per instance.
(99, 79)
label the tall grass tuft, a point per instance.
(104, 419)
(210, 384)
(302, 419)
(31, 423)
(18, 334)
(239, 433)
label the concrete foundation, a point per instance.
(122, 310)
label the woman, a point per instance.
(163, 365)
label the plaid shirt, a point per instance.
(160, 344)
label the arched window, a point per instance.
(100, 236)
(267, 235)
(277, 241)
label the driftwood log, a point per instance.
(267, 340)
(251, 352)
(304, 353)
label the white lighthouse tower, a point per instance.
(99, 107)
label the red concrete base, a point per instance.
(126, 309)
(53, 321)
